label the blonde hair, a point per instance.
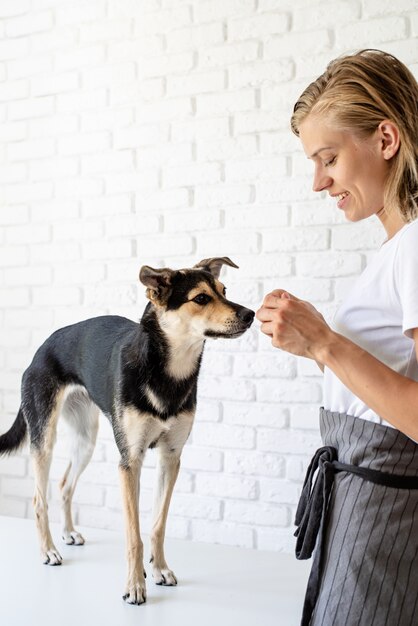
(361, 90)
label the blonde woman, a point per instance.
(358, 123)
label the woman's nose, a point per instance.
(321, 180)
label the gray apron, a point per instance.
(359, 511)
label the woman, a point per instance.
(358, 123)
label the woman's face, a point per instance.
(352, 170)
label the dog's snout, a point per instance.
(245, 315)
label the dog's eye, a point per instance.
(202, 298)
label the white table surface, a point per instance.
(218, 585)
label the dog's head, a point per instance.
(193, 300)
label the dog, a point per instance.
(143, 378)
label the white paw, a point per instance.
(136, 593)
(51, 557)
(73, 538)
(164, 576)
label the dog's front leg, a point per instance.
(168, 469)
(135, 592)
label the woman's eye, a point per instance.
(202, 298)
(330, 162)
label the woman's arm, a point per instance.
(296, 326)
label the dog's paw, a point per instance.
(164, 576)
(73, 538)
(51, 557)
(136, 593)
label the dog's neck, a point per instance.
(185, 345)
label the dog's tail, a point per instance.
(15, 436)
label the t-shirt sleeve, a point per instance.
(406, 277)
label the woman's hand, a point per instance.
(293, 325)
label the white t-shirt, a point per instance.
(379, 314)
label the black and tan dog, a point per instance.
(143, 377)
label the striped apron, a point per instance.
(359, 510)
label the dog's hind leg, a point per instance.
(81, 415)
(41, 452)
(169, 447)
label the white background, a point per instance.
(157, 132)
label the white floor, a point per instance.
(218, 585)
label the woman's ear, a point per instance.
(390, 139)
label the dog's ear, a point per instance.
(157, 282)
(214, 265)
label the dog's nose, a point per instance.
(245, 315)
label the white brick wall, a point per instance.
(157, 132)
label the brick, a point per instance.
(254, 170)
(325, 15)
(258, 26)
(201, 459)
(225, 533)
(254, 414)
(131, 50)
(228, 54)
(288, 442)
(31, 108)
(9, 8)
(279, 491)
(222, 195)
(260, 217)
(203, 130)
(170, 245)
(376, 31)
(195, 37)
(162, 21)
(15, 194)
(223, 436)
(14, 90)
(33, 149)
(259, 121)
(54, 84)
(288, 391)
(27, 67)
(195, 506)
(12, 131)
(312, 42)
(226, 486)
(217, 244)
(376, 8)
(143, 135)
(328, 264)
(193, 220)
(257, 513)
(296, 239)
(260, 73)
(265, 365)
(104, 30)
(284, 190)
(80, 12)
(85, 100)
(167, 65)
(196, 83)
(222, 103)
(13, 49)
(54, 40)
(53, 126)
(254, 463)
(13, 173)
(211, 10)
(35, 22)
(83, 143)
(357, 237)
(33, 233)
(199, 174)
